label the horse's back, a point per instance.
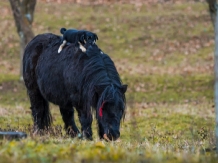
(31, 55)
(34, 49)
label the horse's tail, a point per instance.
(39, 105)
(62, 30)
(42, 118)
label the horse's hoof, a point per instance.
(79, 135)
(85, 137)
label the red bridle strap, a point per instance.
(101, 109)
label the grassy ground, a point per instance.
(165, 55)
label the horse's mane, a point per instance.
(97, 70)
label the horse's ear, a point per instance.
(96, 37)
(124, 88)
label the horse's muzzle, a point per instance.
(112, 135)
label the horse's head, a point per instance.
(110, 110)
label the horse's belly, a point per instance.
(53, 73)
(52, 85)
(53, 92)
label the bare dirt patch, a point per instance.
(3, 111)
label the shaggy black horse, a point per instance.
(71, 80)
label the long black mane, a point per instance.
(98, 70)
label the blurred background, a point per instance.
(163, 50)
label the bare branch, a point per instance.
(27, 9)
(16, 13)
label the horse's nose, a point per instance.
(113, 134)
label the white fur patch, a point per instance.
(61, 46)
(82, 47)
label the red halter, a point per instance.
(101, 109)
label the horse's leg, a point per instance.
(40, 110)
(67, 113)
(100, 130)
(86, 123)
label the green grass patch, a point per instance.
(13, 92)
(170, 88)
(8, 77)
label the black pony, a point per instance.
(71, 80)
